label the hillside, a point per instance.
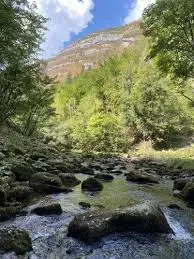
(89, 52)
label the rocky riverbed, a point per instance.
(45, 200)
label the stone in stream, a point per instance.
(14, 240)
(50, 209)
(69, 180)
(179, 184)
(91, 184)
(188, 192)
(143, 218)
(104, 177)
(47, 183)
(141, 177)
(174, 206)
(84, 204)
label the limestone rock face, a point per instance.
(89, 52)
(143, 218)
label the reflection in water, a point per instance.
(49, 234)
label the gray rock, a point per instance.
(143, 218)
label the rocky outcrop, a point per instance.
(14, 240)
(91, 184)
(144, 218)
(50, 209)
(88, 53)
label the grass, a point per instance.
(180, 158)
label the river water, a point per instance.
(49, 233)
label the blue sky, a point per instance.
(107, 14)
(70, 20)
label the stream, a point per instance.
(49, 233)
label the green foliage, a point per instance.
(156, 112)
(123, 101)
(23, 94)
(170, 24)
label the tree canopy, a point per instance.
(170, 25)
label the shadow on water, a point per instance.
(49, 234)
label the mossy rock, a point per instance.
(9, 212)
(188, 192)
(21, 193)
(141, 177)
(104, 177)
(91, 184)
(22, 171)
(69, 180)
(47, 183)
(50, 209)
(14, 240)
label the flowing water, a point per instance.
(49, 233)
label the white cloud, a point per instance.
(135, 12)
(66, 17)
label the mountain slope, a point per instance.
(89, 52)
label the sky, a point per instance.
(70, 20)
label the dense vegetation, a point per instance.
(126, 100)
(25, 95)
(145, 93)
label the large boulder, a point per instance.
(50, 209)
(91, 184)
(47, 183)
(14, 240)
(69, 180)
(188, 192)
(20, 193)
(143, 218)
(141, 177)
(104, 177)
(22, 171)
(9, 212)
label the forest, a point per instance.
(102, 164)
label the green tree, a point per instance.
(22, 75)
(170, 24)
